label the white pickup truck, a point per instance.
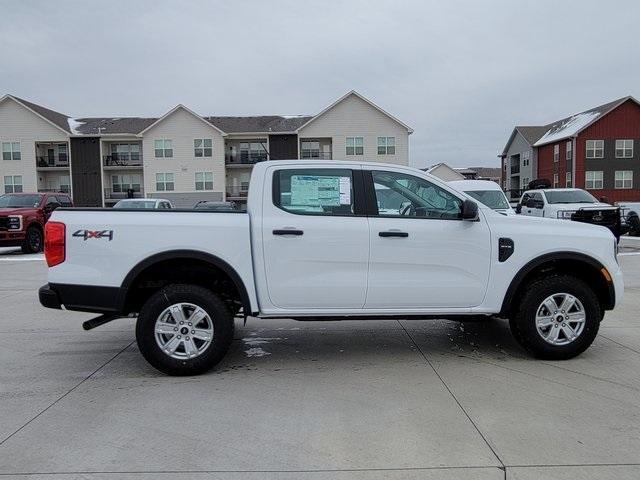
(330, 240)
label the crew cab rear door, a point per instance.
(315, 237)
(423, 256)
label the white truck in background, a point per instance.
(330, 240)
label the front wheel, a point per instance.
(184, 330)
(558, 317)
(33, 240)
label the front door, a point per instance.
(315, 239)
(422, 254)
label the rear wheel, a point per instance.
(33, 240)
(184, 330)
(558, 317)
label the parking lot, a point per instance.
(316, 400)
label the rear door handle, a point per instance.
(391, 233)
(288, 231)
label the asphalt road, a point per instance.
(364, 400)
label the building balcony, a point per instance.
(117, 161)
(237, 191)
(244, 160)
(121, 193)
(515, 169)
(62, 189)
(315, 154)
(59, 162)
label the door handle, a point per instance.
(288, 231)
(391, 233)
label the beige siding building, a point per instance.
(181, 156)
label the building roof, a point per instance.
(262, 123)
(107, 125)
(572, 125)
(532, 133)
(57, 118)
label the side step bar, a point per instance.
(102, 319)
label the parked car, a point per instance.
(486, 192)
(326, 240)
(216, 206)
(629, 217)
(144, 204)
(570, 204)
(23, 216)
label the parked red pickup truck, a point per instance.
(23, 215)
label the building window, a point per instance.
(204, 180)
(567, 179)
(595, 148)
(122, 183)
(310, 149)
(202, 147)
(526, 158)
(11, 150)
(164, 182)
(569, 150)
(163, 148)
(525, 182)
(593, 180)
(65, 184)
(556, 153)
(252, 152)
(355, 146)
(125, 152)
(555, 180)
(623, 179)
(624, 148)
(386, 145)
(13, 184)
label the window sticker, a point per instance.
(320, 191)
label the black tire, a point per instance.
(523, 320)
(33, 240)
(221, 317)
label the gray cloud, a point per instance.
(462, 74)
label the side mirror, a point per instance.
(531, 203)
(469, 210)
(519, 208)
(50, 207)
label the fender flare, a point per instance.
(192, 255)
(549, 257)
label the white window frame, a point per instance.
(203, 147)
(567, 179)
(626, 147)
(125, 181)
(555, 180)
(526, 158)
(625, 182)
(386, 145)
(65, 183)
(594, 183)
(165, 179)
(556, 152)
(592, 147)
(13, 149)
(202, 181)
(352, 143)
(12, 185)
(309, 149)
(569, 150)
(166, 151)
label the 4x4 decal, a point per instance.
(87, 234)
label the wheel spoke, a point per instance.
(197, 316)
(552, 335)
(576, 317)
(567, 303)
(551, 305)
(177, 313)
(190, 347)
(201, 334)
(172, 344)
(544, 321)
(569, 332)
(165, 328)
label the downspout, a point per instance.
(574, 154)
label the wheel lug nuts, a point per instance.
(192, 332)
(186, 338)
(181, 323)
(189, 323)
(179, 337)
(175, 329)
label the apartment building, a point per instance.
(597, 150)
(182, 156)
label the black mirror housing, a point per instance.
(469, 210)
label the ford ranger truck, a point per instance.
(23, 215)
(330, 240)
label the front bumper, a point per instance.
(82, 298)
(11, 238)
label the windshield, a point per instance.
(141, 204)
(569, 196)
(493, 199)
(17, 201)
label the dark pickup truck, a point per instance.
(23, 215)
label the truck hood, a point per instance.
(543, 226)
(578, 206)
(4, 212)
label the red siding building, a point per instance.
(598, 150)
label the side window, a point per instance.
(64, 201)
(525, 199)
(537, 196)
(314, 191)
(402, 195)
(51, 200)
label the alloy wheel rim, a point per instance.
(560, 319)
(34, 240)
(183, 331)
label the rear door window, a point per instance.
(314, 191)
(64, 201)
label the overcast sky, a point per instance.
(462, 74)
